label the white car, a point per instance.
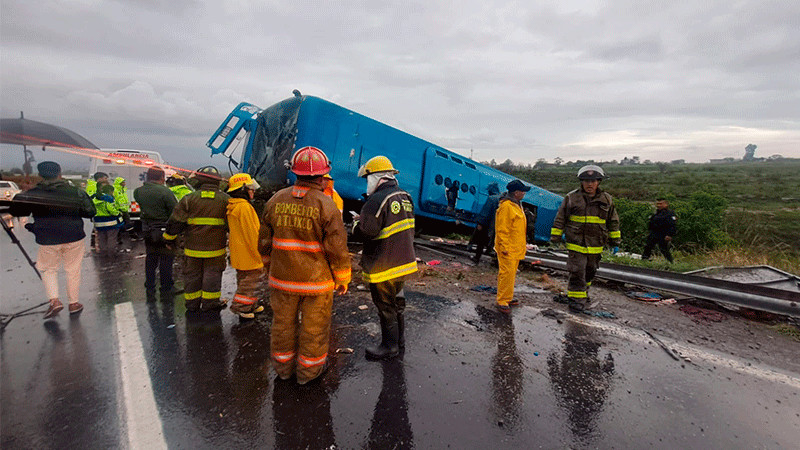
(8, 189)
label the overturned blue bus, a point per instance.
(446, 187)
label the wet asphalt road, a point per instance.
(469, 378)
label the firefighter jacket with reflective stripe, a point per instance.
(201, 217)
(243, 239)
(387, 223)
(587, 224)
(510, 229)
(108, 216)
(304, 241)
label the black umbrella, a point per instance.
(30, 132)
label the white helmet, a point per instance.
(591, 172)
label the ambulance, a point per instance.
(131, 165)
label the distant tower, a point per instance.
(749, 152)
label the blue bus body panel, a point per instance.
(426, 171)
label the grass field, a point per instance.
(762, 217)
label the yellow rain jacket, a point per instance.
(244, 227)
(510, 229)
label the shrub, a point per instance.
(700, 222)
(633, 219)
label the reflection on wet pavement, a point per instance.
(581, 380)
(390, 427)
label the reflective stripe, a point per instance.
(169, 237)
(107, 223)
(283, 357)
(588, 250)
(556, 231)
(301, 287)
(299, 191)
(207, 194)
(211, 295)
(394, 272)
(587, 219)
(396, 228)
(614, 234)
(205, 221)
(306, 361)
(576, 294)
(204, 253)
(343, 274)
(297, 245)
(192, 295)
(243, 300)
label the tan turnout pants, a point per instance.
(301, 329)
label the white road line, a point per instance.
(144, 427)
(693, 352)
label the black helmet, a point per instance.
(591, 172)
(208, 175)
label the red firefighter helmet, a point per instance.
(310, 161)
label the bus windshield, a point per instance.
(273, 142)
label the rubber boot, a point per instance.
(388, 347)
(401, 331)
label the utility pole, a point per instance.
(470, 154)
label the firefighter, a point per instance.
(200, 216)
(177, 184)
(387, 222)
(509, 242)
(331, 192)
(304, 246)
(244, 228)
(587, 220)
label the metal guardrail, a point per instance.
(763, 298)
(751, 296)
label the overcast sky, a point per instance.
(520, 80)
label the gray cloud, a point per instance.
(524, 80)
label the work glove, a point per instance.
(341, 289)
(614, 250)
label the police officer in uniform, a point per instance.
(662, 228)
(156, 203)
